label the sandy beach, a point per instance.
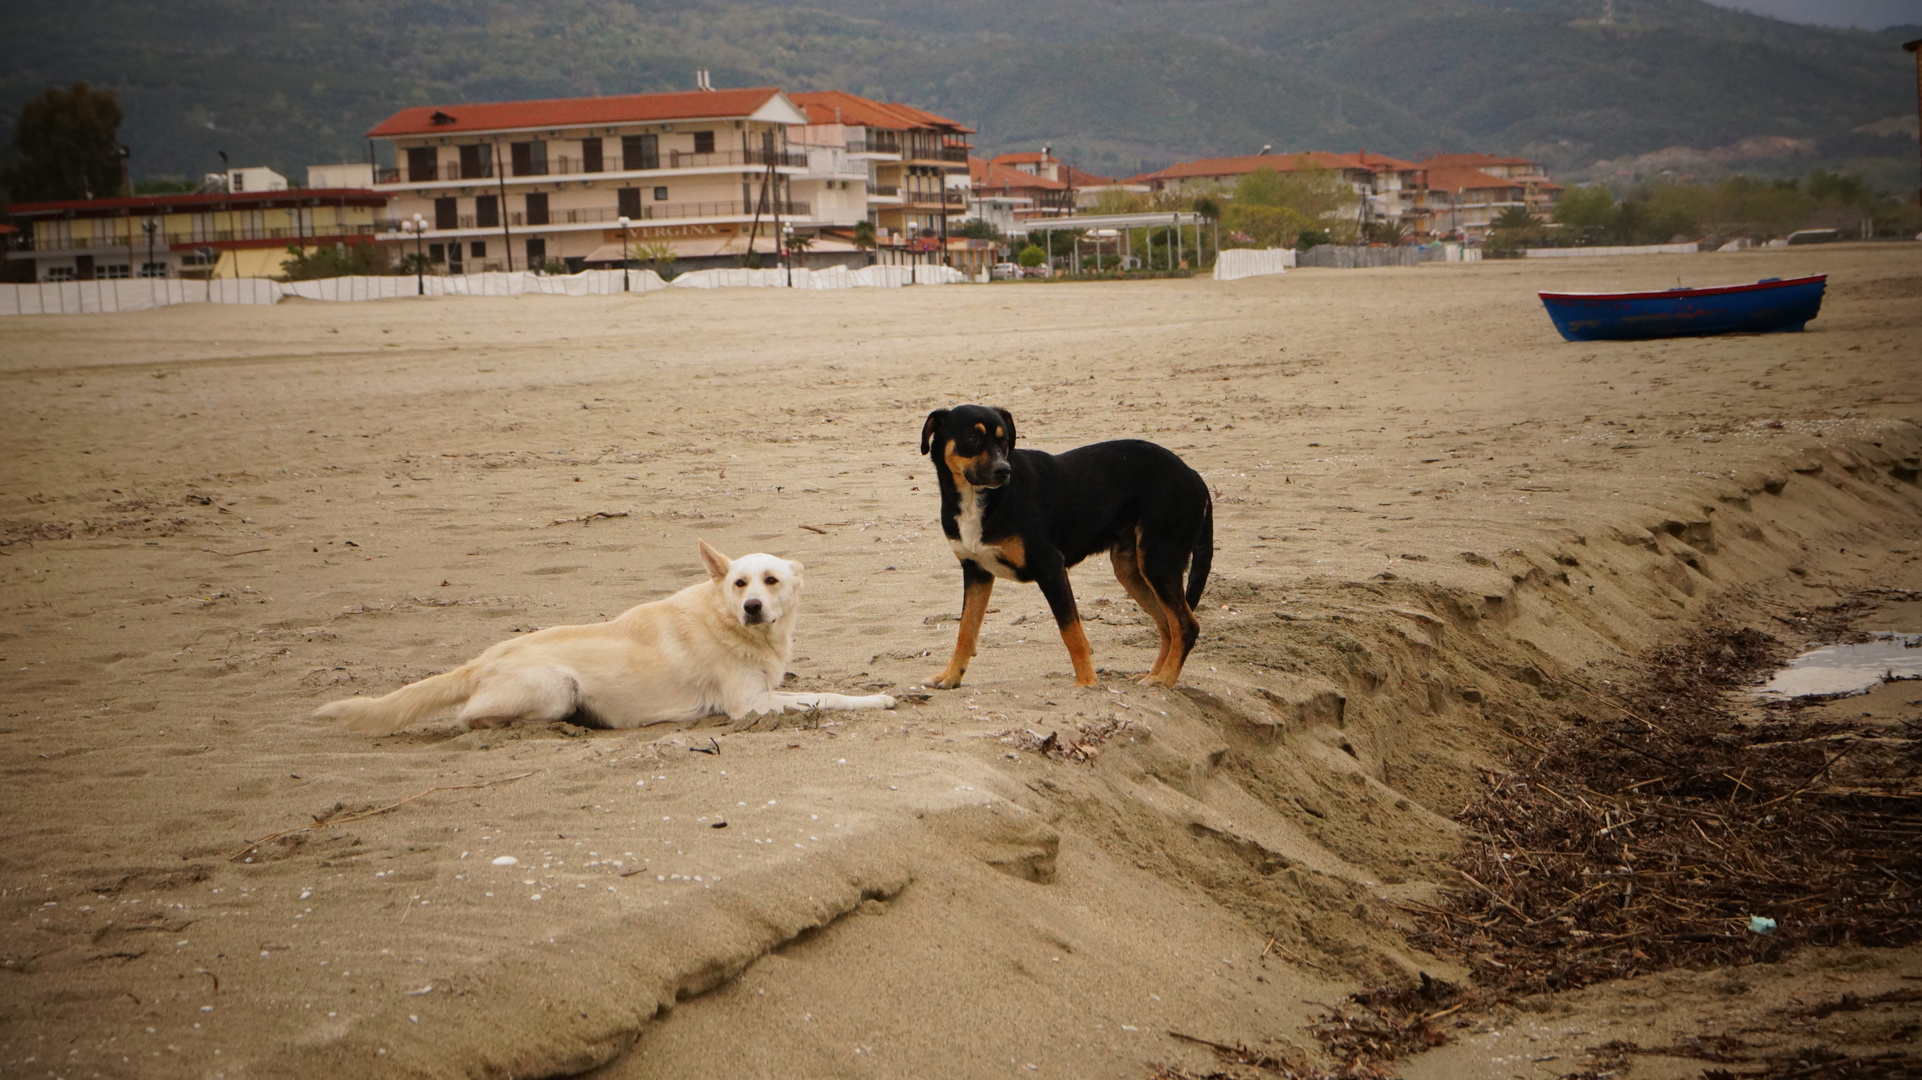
(1431, 514)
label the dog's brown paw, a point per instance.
(942, 680)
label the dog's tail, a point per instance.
(1203, 555)
(407, 705)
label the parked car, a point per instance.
(1003, 271)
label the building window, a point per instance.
(423, 164)
(529, 158)
(628, 200)
(115, 271)
(591, 155)
(437, 253)
(640, 152)
(536, 253)
(477, 249)
(487, 211)
(446, 214)
(59, 273)
(537, 208)
(660, 194)
(704, 142)
(153, 270)
(476, 162)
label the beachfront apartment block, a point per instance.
(209, 234)
(705, 175)
(523, 185)
(905, 157)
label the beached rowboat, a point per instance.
(1768, 305)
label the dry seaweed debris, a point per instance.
(1084, 746)
(1362, 1038)
(1666, 832)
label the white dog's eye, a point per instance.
(772, 580)
(741, 584)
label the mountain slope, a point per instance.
(1117, 85)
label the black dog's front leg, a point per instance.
(1060, 595)
(977, 586)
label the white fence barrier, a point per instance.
(1640, 249)
(107, 297)
(1233, 264)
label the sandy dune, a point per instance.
(1431, 513)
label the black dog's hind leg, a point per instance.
(1162, 565)
(977, 586)
(1127, 570)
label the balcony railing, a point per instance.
(730, 158)
(212, 236)
(565, 165)
(874, 143)
(789, 208)
(887, 191)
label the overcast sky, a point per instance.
(1866, 14)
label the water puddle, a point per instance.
(1848, 669)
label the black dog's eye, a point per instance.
(772, 580)
(741, 584)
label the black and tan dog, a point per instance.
(1029, 516)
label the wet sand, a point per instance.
(1430, 512)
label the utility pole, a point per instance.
(500, 180)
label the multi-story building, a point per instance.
(1384, 185)
(222, 234)
(1538, 192)
(525, 184)
(907, 155)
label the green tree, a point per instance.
(1585, 209)
(978, 229)
(340, 260)
(1031, 256)
(659, 256)
(1272, 208)
(67, 147)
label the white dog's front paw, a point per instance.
(886, 701)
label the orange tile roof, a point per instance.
(575, 112)
(1078, 178)
(841, 107)
(190, 202)
(993, 174)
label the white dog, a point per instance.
(719, 646)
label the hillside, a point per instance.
(1117, 86)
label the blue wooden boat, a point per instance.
(1766, 306)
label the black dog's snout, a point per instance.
(1001, 472)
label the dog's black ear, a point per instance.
(928, 429)
(1007, 418)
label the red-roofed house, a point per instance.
(1536, 191)
(904, 157)
(1385, 185)
(223, 234)
(520, 184)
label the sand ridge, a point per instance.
(1431, 514)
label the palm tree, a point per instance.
(864, 238)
